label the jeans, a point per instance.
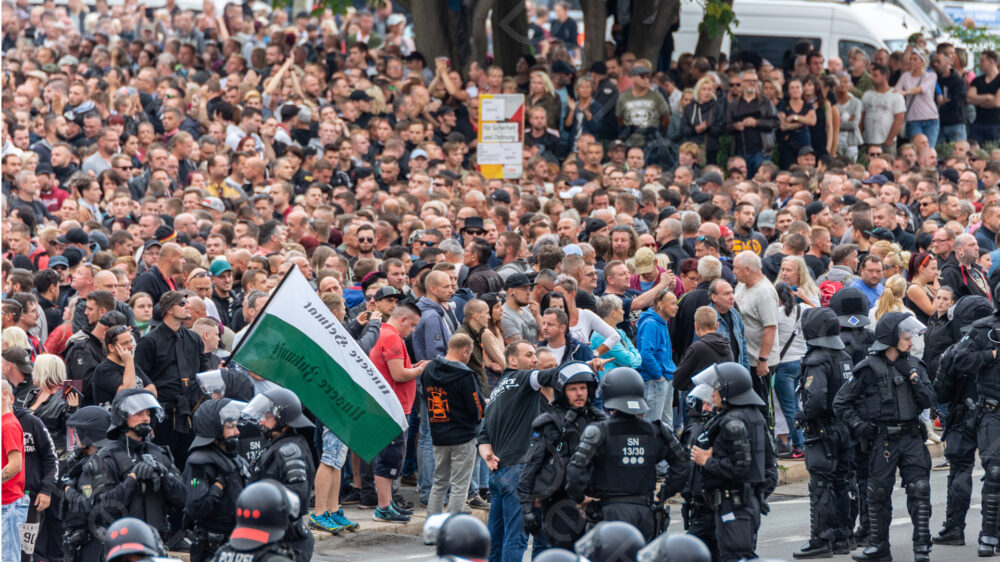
(928, 127)
(425, 458)
(786, 380)
(452, 471)
(753, 162)
(507, 539)
(660, 398)
(480, 477)
(953, 133)
(14, 515)
(413, 419)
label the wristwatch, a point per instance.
(762, 359)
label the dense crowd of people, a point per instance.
(162, 169)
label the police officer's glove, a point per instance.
(144, 471)
(865, 430)
(532, 525)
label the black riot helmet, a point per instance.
(851, 307)
(457, 535)
(571, 373)
(967, 310)
(558, 555)
(610, 541)
(88, 426)
(821, 328)
(675, 548)
(263, 511)
(133, 536)
(733, 382)
(129, 402)
(891, 326)
(622, 389)
(282, 403)
(210, 420)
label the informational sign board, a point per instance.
(500, 151)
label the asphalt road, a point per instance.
(782, 532)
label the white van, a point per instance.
(772, 28)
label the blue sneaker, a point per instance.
(400, 509)
(325, 523)
(339, 518)
(387, 515)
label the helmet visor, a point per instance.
(701, 392)
(708, 377)
(912, 326)
(211, 383)
(432, 527)
(231, 413)
(139, 402)
(571, 370)
(258, 408)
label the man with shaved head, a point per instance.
(158, 279)
(962, 273)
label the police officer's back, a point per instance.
(616, 458)
(555, 435)
(132, 539)
(264, 511)
(287, 458)
(457, 536)
(86, 430)
(133, 476)
(851, 307)
(215, 475)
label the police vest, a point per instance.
(632, 447)
(234, 473)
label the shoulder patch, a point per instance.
(289, 451)
(735, 429)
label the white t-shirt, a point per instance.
(880, 111)
(587, 323)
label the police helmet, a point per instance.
(282, 403)
(129, 402)
(88, 426)
(733, 382)
(211, 418)
(558, 555)
(851, 307)
(622, 389)
(891, 326)
(133, 536)
(821, 328)
(571, 373)
(263, 512)
(457, 535)
(610, 541)
(675, 548)
(966, 311)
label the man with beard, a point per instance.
(744, 236)
(158, 279)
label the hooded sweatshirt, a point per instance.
(653, 341)
(454, 403)
(430, 337)
(711, 348)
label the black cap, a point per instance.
(164, 234)
(73, 256)
(387, 292)
(474, 223)
(593, 225)
(417, 266)
(599, 68)
(517, 280)
(806, 150)
(359, 95)
(562, 67)
(74, 236)
(881, 234)
(814, 208)
(500, 196)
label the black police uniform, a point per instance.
(153, 493)
(742, 471)
(975, 354)
(882, 405)
(129, 537)
(958, 389)
(89, 425)
(555, 435)
(698, 514)
(263, 513)
(616, 459)
(851, 306)
(825, 368)
(214, 477)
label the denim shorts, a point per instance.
(334, 450)
(389, 462)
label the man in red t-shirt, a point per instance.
(15, 503)
(391, 359)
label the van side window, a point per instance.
(774, 48)
(844, 46)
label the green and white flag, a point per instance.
(297, 343)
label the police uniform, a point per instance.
(742, 471)
(86, 427)
(851, 306)
(975, 354)
(958, 389)
(214, 477)
(555, 435)
(882, 405)
(699, 517)
(616, 459)
(825, 368)
(263, 513)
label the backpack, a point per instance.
(826, 291)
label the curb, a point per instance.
(368, 526)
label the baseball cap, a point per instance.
(979, 154)
(58, 261)
(640, 69)
(213, 203)
(878, 179)
(881, 234)
(806, 150)
(768, 218)
(395, 19)
(562, 67)
(359, 95)
(387, 292)
(710, 177)
(645, 260)
(500, 196)
(19, 357)
(517, 280)
(73, 256)
(74, 236)
(417, 266)
(418, 153)
(572, 250)
(218, 267)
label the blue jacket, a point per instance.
(737, 328)
(653, 342)
(430, 337)
(623, 354)
(575, 350)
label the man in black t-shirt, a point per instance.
(984, 93)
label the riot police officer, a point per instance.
(555, 435)
(133, 476)
(457, 536)
(615, 461)
(675, 548)
(85, 430)
(215, 475)
(699, 516)
(882, 405)
(130, 537)
(825, 368)
(977, 353)
(958, 389)
(264, 511)
(739, 465)
(851, 307)
(611, 541)
(287, 457)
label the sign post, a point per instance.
(500, 150)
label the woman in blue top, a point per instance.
(623, 353)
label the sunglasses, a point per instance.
(366, 239)
(123, 167)
(926, 203)
(426, 243)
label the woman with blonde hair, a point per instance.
(795, 273)
(14, 336)
(541, 93)
(704, 118)
(48, 400)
